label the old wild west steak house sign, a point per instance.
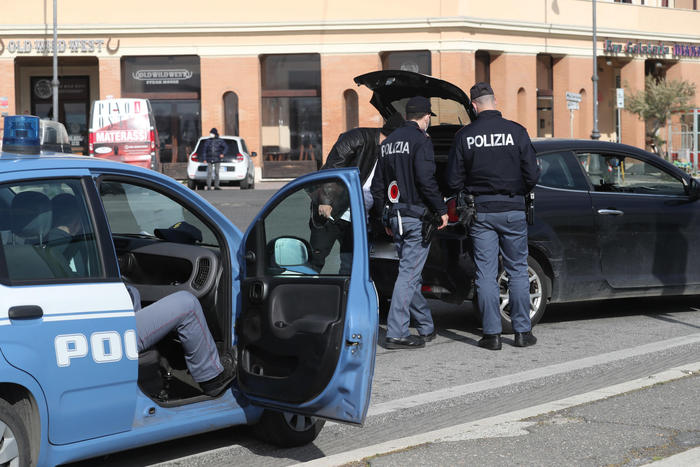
(661, 49)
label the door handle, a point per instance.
(25, 312)
(610, 212)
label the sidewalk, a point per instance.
(635, 423)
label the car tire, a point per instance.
(287, 430)
(191, 184)
(14, 441)
(540, 291)
(244, 183)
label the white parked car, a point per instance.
(237, 166)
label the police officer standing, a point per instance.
(405, 188)
(493, 159)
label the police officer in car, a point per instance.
(405, 189)
(493, 159)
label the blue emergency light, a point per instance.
(21, 134)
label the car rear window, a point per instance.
(231, 147)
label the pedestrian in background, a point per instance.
(493, 159)
(214, 149)
(405, 188)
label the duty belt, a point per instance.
(485, 198)
(408, 210)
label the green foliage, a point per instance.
(657, 101)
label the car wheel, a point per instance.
(287, 430)
(191, 184)
(14, 444)
(540, 289)
(244, 183)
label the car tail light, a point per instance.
(194, 157)
(153, 141)
(91, 144)
(239, 157)
(452, 214)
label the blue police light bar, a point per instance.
(21, 134)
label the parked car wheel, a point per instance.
(286, 429)
(540, 289)
(14, 441)
(191, 184)
(248, 182)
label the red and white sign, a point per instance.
(393, 192)
(121, 136)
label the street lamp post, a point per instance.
(595, 134)
(54, 82)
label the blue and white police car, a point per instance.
(72, 384)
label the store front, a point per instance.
(172, 84)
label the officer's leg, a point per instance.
(181, 311)
(210, 168)
(420, 311)
(217, 167)
(514, 252)
(412, 256)
(345, 240)
(485, 241)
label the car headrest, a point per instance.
(31, 214)
(65, 209)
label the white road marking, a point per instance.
(529, 375)
(485, 428)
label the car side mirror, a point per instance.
(253, 154)
(289, 251)
(694, 189)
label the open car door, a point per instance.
(307, 327)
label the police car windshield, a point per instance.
(448, 112)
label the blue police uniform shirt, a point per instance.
(493, 155)
(406, 156)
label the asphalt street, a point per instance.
(454, 403)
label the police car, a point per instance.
(73, 386)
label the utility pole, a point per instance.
(54, 82)
(595, 134)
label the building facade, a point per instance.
(280, 74)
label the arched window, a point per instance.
(583, 115)
(231, 113)
(522, 106)
(352, 118)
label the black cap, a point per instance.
(182, 232)
(214, 131)
(480, 89)
(392, 123)
(419, 104)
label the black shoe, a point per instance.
(410, 342)
(217, 385)
(217, 188)
(490, 341)
(525, 339)
(428, 337)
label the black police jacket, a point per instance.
(212, 149)
(407, 157)
(493, 155)
(359, 148)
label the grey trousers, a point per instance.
(213, 169)
(179, 311)
(407, 300)
(506, 232)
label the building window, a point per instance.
(351, 111)
(291, 113)
(173, 85)
(417, 61)
(231, 113)
(545, 95)
(482, 66)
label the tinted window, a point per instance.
(138, 211)
(556, 173)
(328, 241)
(627, 174)
(231, 147)
(47, 232)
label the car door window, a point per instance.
(556, 173)
(47, 232)
(328, 240)
(140, 211)
(628, 174)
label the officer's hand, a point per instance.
(444, 221)
(325, 210)
(388, 231)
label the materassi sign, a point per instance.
(161, 74)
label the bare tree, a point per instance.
(656, 102)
